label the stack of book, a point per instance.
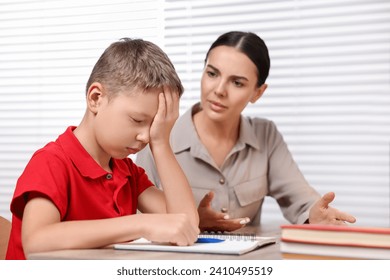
(334, 242)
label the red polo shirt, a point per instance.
(65, 173)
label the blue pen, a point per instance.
(209, 240)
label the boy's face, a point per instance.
(122, 126)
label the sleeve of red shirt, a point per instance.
(45, 175)
(142, 178)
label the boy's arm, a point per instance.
(177, 191)
(43, 230)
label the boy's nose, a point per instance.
(143, 136)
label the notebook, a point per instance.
(223, 244)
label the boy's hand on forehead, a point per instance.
(166, 116)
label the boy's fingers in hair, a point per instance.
(172, 101)
(162, 110)
(168, 100)
(176, 99)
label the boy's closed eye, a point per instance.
(136, 120)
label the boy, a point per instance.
(82, 190)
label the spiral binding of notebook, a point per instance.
(229, 235)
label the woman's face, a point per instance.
(229, 82)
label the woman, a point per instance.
(232, 162)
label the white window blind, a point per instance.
(329, 86)
(47, 51)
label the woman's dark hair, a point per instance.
(252, 46)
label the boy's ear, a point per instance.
(94, 96)
(259, 92)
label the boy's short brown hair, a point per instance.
(134, 64)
